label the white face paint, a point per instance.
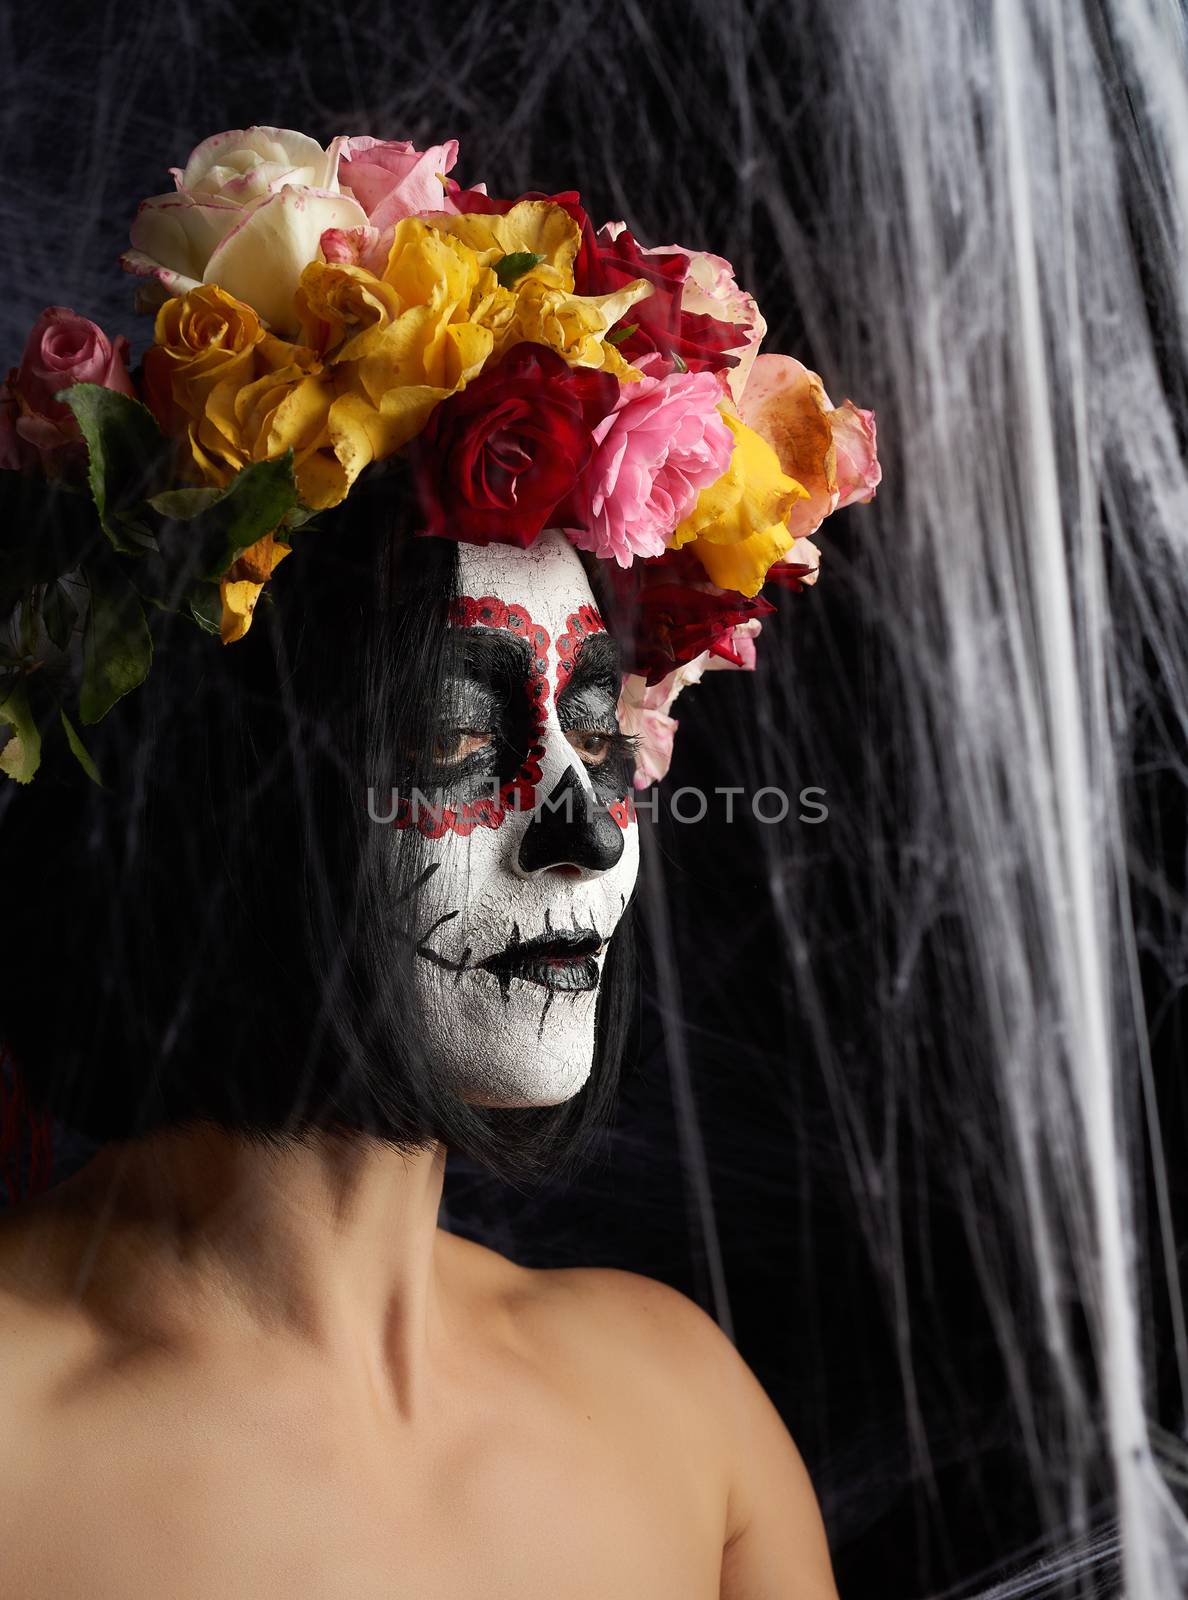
(521, 901)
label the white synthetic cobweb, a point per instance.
(1021, 333)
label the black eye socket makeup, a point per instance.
(587, 709)
(485, 723)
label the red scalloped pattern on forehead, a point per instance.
(488, 611)
(578, 625)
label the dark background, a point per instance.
(798, 1202)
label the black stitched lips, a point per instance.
(561, 961)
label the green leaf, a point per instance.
(21, 755)
(79, 750)
(254, 503)
(133, 538)
(678, 361)
(515, 265)
(29, 629)
(59, 613)
(299, 517)
(621, 335)
(182, 505)
(117, 645)
(206, 607)
(129, 459)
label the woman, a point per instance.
(349, 898)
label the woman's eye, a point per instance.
(593, 747)
(455, 744)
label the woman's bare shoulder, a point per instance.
(685, 1376)
(595, 1306)
(627, 1311)
(591, 1306)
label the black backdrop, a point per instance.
(639, 106)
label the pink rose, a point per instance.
(363, 246)
(652, 729)
(63, 349)
(644, 708)
(391, 180)
(661, 445)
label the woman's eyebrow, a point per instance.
(491, 654)
(596, 665)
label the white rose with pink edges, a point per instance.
(248, 213)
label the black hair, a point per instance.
(212, 937)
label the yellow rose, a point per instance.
(339, 306)
(202, 339)
(242, 395)
(539, 306)
(738, 526)
(283, 408)
(573, 325)
(422, 350)
(427, 267)
(396, 347)
(216, 375)
(243, 583)
(531, 227)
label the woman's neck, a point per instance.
(186, 1236)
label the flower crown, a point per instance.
(318, 311)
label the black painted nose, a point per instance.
(570, 828)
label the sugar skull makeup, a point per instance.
(531, 847)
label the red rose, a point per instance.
(676, 623)
(666, 612)
(499, 460)
(687, 340)
(474, 201)
(794, 575)
(608, 261)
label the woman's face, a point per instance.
(530, 842)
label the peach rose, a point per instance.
(830, 449)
